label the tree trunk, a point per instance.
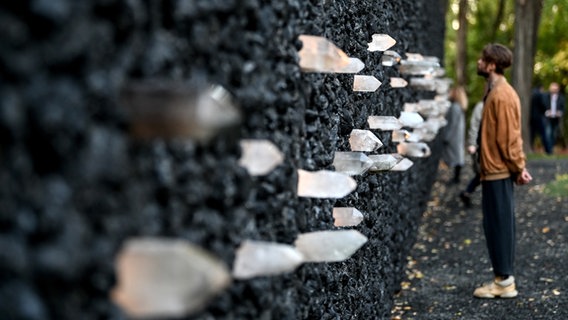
(527, 18)
(461, 43)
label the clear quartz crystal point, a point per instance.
(324, 184)
(381, 42)
(346, 217)
(260, 258)
(384, 123)
(175, 110)
(390, 58)
(414, 149)
(423, 67)
(364, 140)
(320, 55)
(398, 82)
(259, 157)
(160, 277)
(441, 86)
(410, 119)
(355, 65)
(351, 163)
(362, 83)
(329, 246)
(383, 162)
(400, 135)
(402, 165)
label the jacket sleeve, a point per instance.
(508, 135)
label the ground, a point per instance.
(450, 258)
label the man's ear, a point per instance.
(491, 67)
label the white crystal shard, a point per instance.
(398, 82)
(400, 135)
(260, 258)
(324, 184)
(414, 56)
(381, 42)
(364, 140)
(174, 110)
(362, 83)
(351, 163)
(320, 55)
(355, 65)
(419, 67)
(383, 162)
(329, 246)
(390, 58)
(410, 119)
(346, 217)
(414, 149)
(384, 123)
(441, 86)
(259, 157)
(403, 165)
(166, 278)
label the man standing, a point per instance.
(554, 107)
(502, 163)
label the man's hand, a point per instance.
(524, 178)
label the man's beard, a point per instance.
(482, 73)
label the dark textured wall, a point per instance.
(74, 184)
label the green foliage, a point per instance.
(558, 187)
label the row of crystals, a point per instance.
(160, 277)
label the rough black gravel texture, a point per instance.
(449, 259)
(74, 184)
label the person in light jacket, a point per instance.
(454, 132)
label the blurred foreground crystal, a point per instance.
(259, 157)
(381, 42)
(384, 123)
(383, 162)
(260, 258)
(324, 184)
(419, 67)
(320, 55)
(390, 58)
(351, 163)
(398, 82)
(402, 165)
(170, 110)
(400, 135)
(364, 140)
(329, 246)
(410, 119)
(346, 217)
(355, 65)
(414, 149)
(363, 83)
(166, 278)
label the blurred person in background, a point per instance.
(454, 132)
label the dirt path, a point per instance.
(450, 259)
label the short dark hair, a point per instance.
(498, 54)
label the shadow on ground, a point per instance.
(450, 259)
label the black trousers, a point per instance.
(499, 224)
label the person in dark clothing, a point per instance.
(554, 104)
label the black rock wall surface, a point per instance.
(74, 184)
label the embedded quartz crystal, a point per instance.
(364, 140)
(441, 86)
(402, 165)
(384, 123)
(261, 258)
(324, 184)
(410, 119)
(400, 135)
(413, 149)
(383, 162)
(398, 82)
(355, 65)
(329, 246)
(351, 163)
(259, 157)
(362, 83)
(381, 42)
(175, 110)
(419, 67)
(390, 58)
(160, 277)
(346, 217)
(320, 55)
